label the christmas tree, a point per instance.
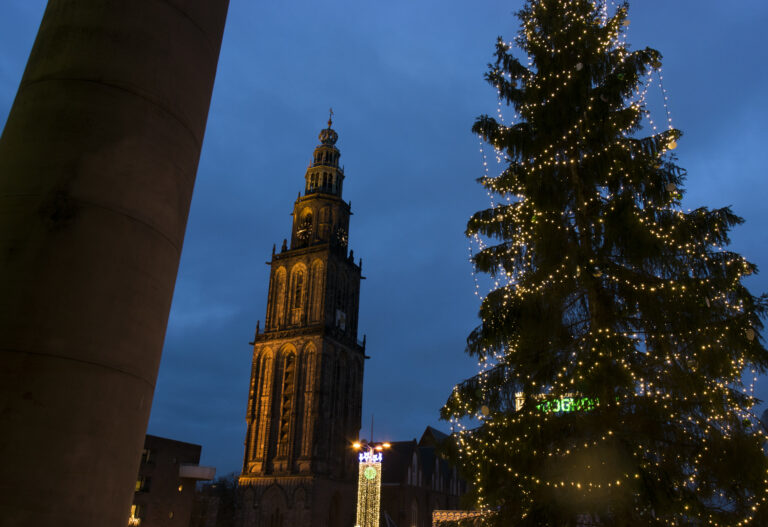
(616, 339)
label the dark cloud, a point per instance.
(406, 82)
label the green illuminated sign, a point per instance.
(567, 405)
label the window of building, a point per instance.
(280, 294)
(137, 513)
(414, 513)
(289, 378)
(298, 289)
(142, 484)
(297, 297)
(146, 456)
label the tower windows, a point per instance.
(324, 223)
(263, 401)
(287, 402)
(142, 484)
(340, 304)
(317, 291)
(310, 358)
(298, 290)
(278, 298)
(298, 294)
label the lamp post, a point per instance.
(369, 482)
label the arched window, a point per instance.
(414, 513)
(287, 401)
(310, 359)
(298, 294)
(299, 499)
(264, 402)
(278, 298)
(317, 291)
(298, 289)
(324, 223)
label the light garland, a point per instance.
(369, 489)
(638, 180)
(369, 481)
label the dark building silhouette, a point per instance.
(217, 503)
(306, 381)
(165, 486)
(416, 481)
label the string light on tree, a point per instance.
(606, 299)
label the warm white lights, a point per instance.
(583, 207)
(369, 489)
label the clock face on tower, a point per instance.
(305, 228)
(341, 236)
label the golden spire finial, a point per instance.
(330, 118)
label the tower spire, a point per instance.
(324, 174)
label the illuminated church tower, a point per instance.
(306, 385)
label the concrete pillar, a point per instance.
(97, 166)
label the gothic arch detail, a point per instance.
(285, 407)
(316, 307)
(324, 223)
(273, 505)
(310, 379)
(300, 498)
(264, 398)
(298, 293)
(277, 317)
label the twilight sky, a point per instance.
(405, 80)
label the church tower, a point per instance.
(306, 388)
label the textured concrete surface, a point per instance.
(97, 166)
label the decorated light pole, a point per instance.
(369, 482)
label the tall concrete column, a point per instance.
(97, 166)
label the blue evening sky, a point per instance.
(405, 79)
